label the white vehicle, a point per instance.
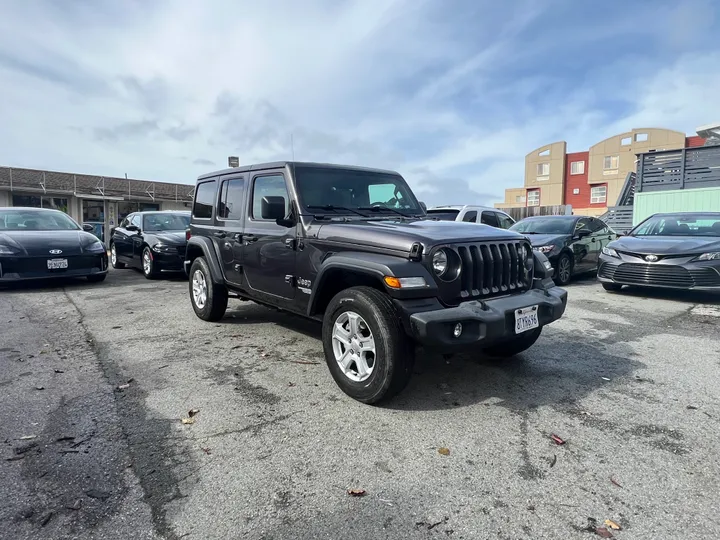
(472, 214)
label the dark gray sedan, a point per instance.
(675, 250)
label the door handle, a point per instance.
(219, 234)
(249, 238)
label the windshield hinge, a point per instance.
(416, 251)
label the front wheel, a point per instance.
(366, 349)
(563, 272)
(515, 346)
(149, 267)
(209, 301)
(612, 287)
(113, 258)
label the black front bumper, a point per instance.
(14, 269)
(170, 261)
(483, 322)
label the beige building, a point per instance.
(591, 180)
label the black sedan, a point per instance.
(674, 250)
(40, 243)
(572, 244)
(151, 241)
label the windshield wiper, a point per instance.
(377, 208)
(334, 208)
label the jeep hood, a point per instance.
(401, 235)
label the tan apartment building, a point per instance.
(590, 180)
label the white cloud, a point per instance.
(453, 99)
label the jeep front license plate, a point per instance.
(526, 319)
(54, 264)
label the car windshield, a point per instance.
(346, 191)
(443, 214)
(544, 226)
(680, 225)
(36, 220)
(166, 222)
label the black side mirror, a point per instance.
(273, 207)
(88, 228)
(423, 206)
(132, 228)
(582, 233)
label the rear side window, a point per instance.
(204, 200)
(490, 218)
(231, 199)
(470, 216)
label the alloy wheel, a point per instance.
(564, 269)
(147, 262)
(353, 346)
(199, 289)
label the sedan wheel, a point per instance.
(563, 273)
(148, 265)
(114, 259)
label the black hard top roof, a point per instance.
(280, 164)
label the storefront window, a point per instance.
(41, 201)
(94, 214)
(128, 207)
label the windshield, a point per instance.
(166, 222)
(348, 190)
(550, 225)
(443, 214)
(36, 220)
(680, 225)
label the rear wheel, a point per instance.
(563, 272)
(612, 287)
(149, 267)
(515, 346)
(366, 349)
(209, 301)
(113, 258)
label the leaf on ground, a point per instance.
(615, 482)
(603, 532)
(611, 524)
(556, 439)
(193, 412)
(188, 420)
(357, 492)
(444, 451)
(207, 451)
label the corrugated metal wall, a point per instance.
(679, 200)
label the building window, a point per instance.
(519, 198)
(641, 137)
(627, 141)
(611, 163)
(543, 171)
(577, 167)
(598, 195)
(544, 153)
(576, 191)
(533, 197)
(38, 201)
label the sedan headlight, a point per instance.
(610, 252)
(95, 247)
(162, 248)
(712, 256)
(440, 262)
(544, 249)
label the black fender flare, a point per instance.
(374, 265)
(205, 246)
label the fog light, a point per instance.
(458, 330)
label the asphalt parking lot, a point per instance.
(95, 380)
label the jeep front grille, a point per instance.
(493, 269)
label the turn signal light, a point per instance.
(405, 282)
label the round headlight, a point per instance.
(440, 262)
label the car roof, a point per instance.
(280, 164)
(144, 212)
(557, 217)
(466, 206)
(31, 208)
(680, 214)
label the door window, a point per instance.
(489, 218)
(582, 224)
(597, 226)
(204, 200)
(268, 186)
(505, 221)
(136, 220)
(231, 199)
(470, 216)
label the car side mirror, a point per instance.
(273, 207)
(132, 228)
(88, 228)
(582, 234)
(423, 206)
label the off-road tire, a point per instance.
(513, 346)
(394, 359)
(216, 298)
(114, 260)
(153, 273)
(96, 278)
(612, 287)
(564, 258)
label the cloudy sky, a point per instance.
(451, 93)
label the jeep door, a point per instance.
(229, 224)
(269, 254)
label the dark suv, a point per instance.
(350, 247)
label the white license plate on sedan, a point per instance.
(526, 319)
(55, 264)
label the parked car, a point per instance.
(672, 250)
(572, 244)
(151, 241)
(38, 243)
(351, 247)
(488, 216)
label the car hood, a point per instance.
(40, 243)
(546, 239)
(171, 238)
(401, 235)
(666, 245)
